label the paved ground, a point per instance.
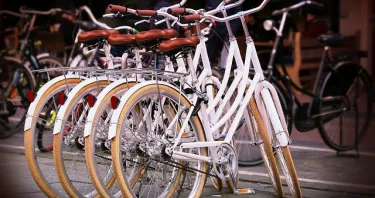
(320, 171)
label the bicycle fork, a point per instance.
(269, 104)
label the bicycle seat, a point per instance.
(121, 39)
(176, 44)
(330, 39)
(95, 34)
(155, 34)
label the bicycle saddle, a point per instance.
(155, 34)
(95, 34)
(176, 44)
(330, 39)
(121, 39)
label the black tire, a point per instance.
(345, 78)
(16, 102)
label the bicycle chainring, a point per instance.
(226, 163)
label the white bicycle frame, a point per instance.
(265, 95)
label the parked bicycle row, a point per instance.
(160, 121)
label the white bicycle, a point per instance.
(173, 137)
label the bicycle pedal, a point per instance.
(244, 191)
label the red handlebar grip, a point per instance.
(146, 12)
(190, 18)
(176, 10)
(116, 8)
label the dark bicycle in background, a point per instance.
(342, 93)
(17, 82)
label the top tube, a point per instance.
(296, 6)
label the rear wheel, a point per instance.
(69, 147)
(97, 145)
(15, 84)
(345, 107)
(38, 139)
(249, 155)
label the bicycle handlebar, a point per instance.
(182, 3)
(225, 7)
(12, 13)
(220, 7)
(149, 13)
(190, 18)
(124, 10)
(103, 25)
(93, 19)
(176, 10)
(225, 19)
(296, 6)
(36, 12)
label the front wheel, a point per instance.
(272, 118)
(265, 147)
(143, 132)
(249, 155)
(345, 107)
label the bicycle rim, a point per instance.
(339, 130)
(97, 157)
(69, 145)
(41, 163)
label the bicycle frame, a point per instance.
(257, 85)
(279, 36)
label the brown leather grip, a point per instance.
(146, 12)
(116, 8)
(190, 18)
(176, 10)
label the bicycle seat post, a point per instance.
(229, 28)
(248, 41)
